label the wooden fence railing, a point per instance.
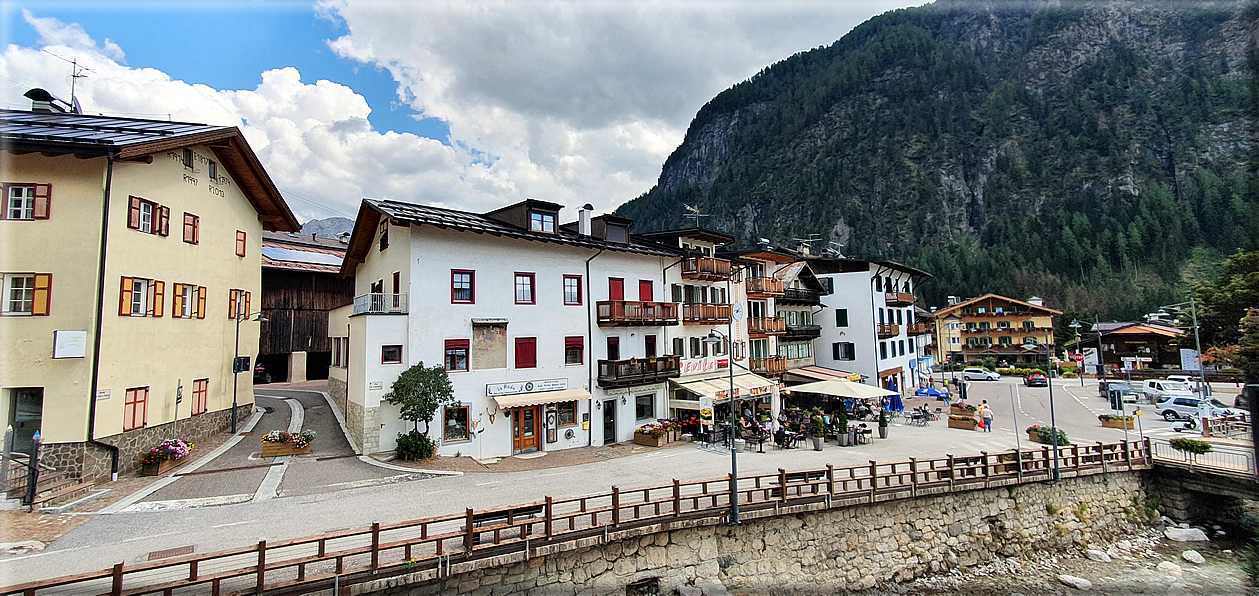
(440, 544)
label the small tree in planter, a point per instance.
(841, 427)
(419, 392)
(819, 432)
(882, 424)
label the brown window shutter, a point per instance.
(196, 230)
(247, 311)
(240, 243)
(177, 300)
(133, 213)
(163, 221)
(43, 294)
(124, 297)
(43, 200)
(231, 304)
(159, 294)
(201, 302)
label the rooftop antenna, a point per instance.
(834, 250)
(806, 243)
(76, 72)
(693, 214)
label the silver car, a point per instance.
(1175, 407)
(979, 374)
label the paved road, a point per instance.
(132, 536)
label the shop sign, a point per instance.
(692, 366)
(762, 390)
(499, 389)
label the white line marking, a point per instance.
(489, 483)
(239, 523)
(151, 536)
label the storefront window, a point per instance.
(566, 413)
(455, 424)
(645, 406)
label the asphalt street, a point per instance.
(321, 498)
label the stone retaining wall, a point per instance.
(823, 551)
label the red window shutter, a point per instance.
(644, 290)
(526, 352)
(573, 342)
(196, 230)
(133, 213)
(201, 302)
(159, 296)
(231, 304)
(177, 301)
(616, 288)
(240, 243)
(454, 344)
(43, 294)
(163, 221)
(43, 200)
(124, 297)
(190, 228)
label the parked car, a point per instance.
(1125, 391)
(1157, 389)
(261, 375)
(979, 374)
(1036, 380)
(1191, 381)
(1178, 408)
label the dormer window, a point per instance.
(542, 222)
(616, 233)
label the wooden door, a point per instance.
(526, 432)
(616, 288)
(644, 290)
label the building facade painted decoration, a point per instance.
(1009, 330)
(178, 212)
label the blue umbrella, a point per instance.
(931, 392)
(894, 403)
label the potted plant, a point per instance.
(819, 432)
(278, 442)
(841, 428)
(1045, 434)
(651, 435)
(1110, 421)
(883, 424)
(962, 422)
(1031, 432)
(166, 455)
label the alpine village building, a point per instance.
(994, 326)
(129, 251)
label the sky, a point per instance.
(464, 104)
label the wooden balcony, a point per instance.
(774, 365)
(800, 296)
(918, 329)
(885, 331)
(703, 314)
(628, 313)
(638, 371)
(898, 298)
(802, 332)
(764, 287)
(706, 269)
(761, 326)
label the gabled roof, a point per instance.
(829, 265)
(702, 234)
(956, 307)
(800, 270)
(301, 252)
(401, 213)
(135, 139)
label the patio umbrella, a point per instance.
(840, 388)
(931, 392)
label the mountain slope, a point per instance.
(1074, 150)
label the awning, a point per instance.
(717, 386)
(507, 402)
(809, 374)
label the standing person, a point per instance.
(985, 412)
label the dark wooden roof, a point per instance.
(696, 233)
(83, 135)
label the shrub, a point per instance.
(1069, 375)
(1045, 434)
(1193, 446)
(969, 419)
(841, 421)
(414, 445)
(883, 418)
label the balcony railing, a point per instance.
(706, 269)
(801, 296)
(898, 298)
(761, 287)
(638, 371)
(766, 325)
(695, 314)
(918, 329)
(768, 366)
(888, 330)
(624, 313)
(380, 304)
(799, 332)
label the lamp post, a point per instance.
(713, 338)
(1079, 369)
(1197, 341)
(1053, 420)
(236, 353)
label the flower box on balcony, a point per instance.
(649, 440)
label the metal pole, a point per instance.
(1079, 369)
(235, 375)
(1101, 362)
(1053, 421)
(1018, 443)
(1202, 374)
(734, 451)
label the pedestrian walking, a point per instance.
(985, 412)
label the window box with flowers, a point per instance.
(1110, 421)
(166, 455)
(278, 442)
(962, 422)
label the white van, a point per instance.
(1192, 381)
(1156, 390)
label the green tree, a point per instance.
(419, 392)
(1225, 302)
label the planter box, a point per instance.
(1118, 424)
(162, 467)
(1031, 436)
(278, 449)
(648, 440)
(962, 424)
(956, 411)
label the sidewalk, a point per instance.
(542, 460)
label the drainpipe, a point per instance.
(590, 362)
(100, 316)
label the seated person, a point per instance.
(780, 437)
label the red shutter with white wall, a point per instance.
(133, 213)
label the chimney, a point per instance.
(1037, 300)
(953, 300)
(583, 219)
(43, 101)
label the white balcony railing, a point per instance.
(380, 304)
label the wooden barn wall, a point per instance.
(296, 304)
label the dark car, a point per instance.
(1125, 391)
(261, 375)
(1036, 380)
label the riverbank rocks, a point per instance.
(1185, 535)
(1097, 555)
(1078, 583)
(1170, 568)
(1193, 557)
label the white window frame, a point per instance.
(140, 297)
(28, 281)
(146, 217)
(190, 302)
(25, 209)
(541, 222)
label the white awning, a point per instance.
(507, 402)
(717, 386)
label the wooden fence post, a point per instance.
(1048, 459)
(1127, 456)
(375, 546)
(468, 535)
(1075, 457)
(677, 498)
(830, 479)
(913, 476)
(117, 589)
(616, 505)
(550, 515)
(1101, 454)
(262, 566)
(782, 485)
(1147, 456)
(874, 479)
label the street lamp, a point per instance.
(1079, 368)
(1053, 420)
(236, 353)
(1193, 310)
(716, 337)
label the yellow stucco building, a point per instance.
(130, 256)
(1009, 330)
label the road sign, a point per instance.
(179, 393)
(1078, 357)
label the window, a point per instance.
(697, 347)
(462, 289)
(456, 354)
(572, 290)
(542, 222)
(1029, 324)
(336, 353)
(200, 396)
(1003, 324)
(882, 317)
(645, 406)
(135, 408)
(985, 325)
(192, 228)
(679, 347)
(844, 350)
(26, 294)
(187, 158)
(901, 344)
(574, 350)
(140, 297)
(998, 309)
(391, 354)
(455, 424)
(526, 352)
(212, 169)
(240, 243)
(645, 292)
(759, 348)
(524, 288)
(614, 348)
(26, 201)
(566, 413)
(841, 317)
(148, 217)
(954, 341)
(384, 238)
(883, 349)
(1029, 340)
(900, 317)
(188, 301)
(649, 346)
(1005, 340)
(238, 304)
(616, 233)
(981, 310)
(878, 283)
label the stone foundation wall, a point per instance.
(825, 551)
(354, 424)
(339, 392)
(85, 460)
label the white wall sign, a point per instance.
(69, 344)
(102, 394)
(1188, 359)
(375, 385)
(497, 389)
